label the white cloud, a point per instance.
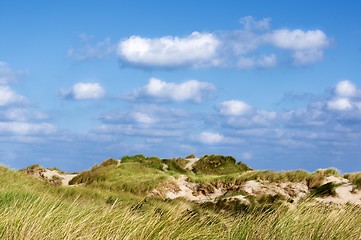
(191, 90)
(8, 96)
(7, 74)
(84, 91)
(241, 48)
(211, 137)
(135, 131)
(346, 88)
(234, 108)
(144, 118)
(307, 45)
(24, 128)
(345, 93)
(92, 51)
(267, 61)
(340, 104)
(263, 117)
(299, 39)
(16, 114)
(195, 50)
(302, 57)
(249, 23)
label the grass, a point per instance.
(313, 180)
(112, 203)
(47, 217)
(130, 176)
(328, 189)
(355, 178)
(218, 164)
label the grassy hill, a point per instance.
(127, 199)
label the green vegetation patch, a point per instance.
(151, 162)
(176, 165)
(218, 164)
(130, 176)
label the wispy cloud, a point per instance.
(88, 49)
(24, 128)
(7, 74)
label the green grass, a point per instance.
(112, 203)
(129, 176)
(54, 217)
(355, 178)
(218, 164)
(151, 162)
(176, 165)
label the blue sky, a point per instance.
(277, 85)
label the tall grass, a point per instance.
(51, 218)
(32, 209)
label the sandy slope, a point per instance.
(189, 165)
(65, 178)
(187, 190)
(345, 192)
(290, 190)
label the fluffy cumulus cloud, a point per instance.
(196, 50)
(346, 88)
(346, 97)
(242, 48)
(84, 91)
(234, 108)
(191, 90)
